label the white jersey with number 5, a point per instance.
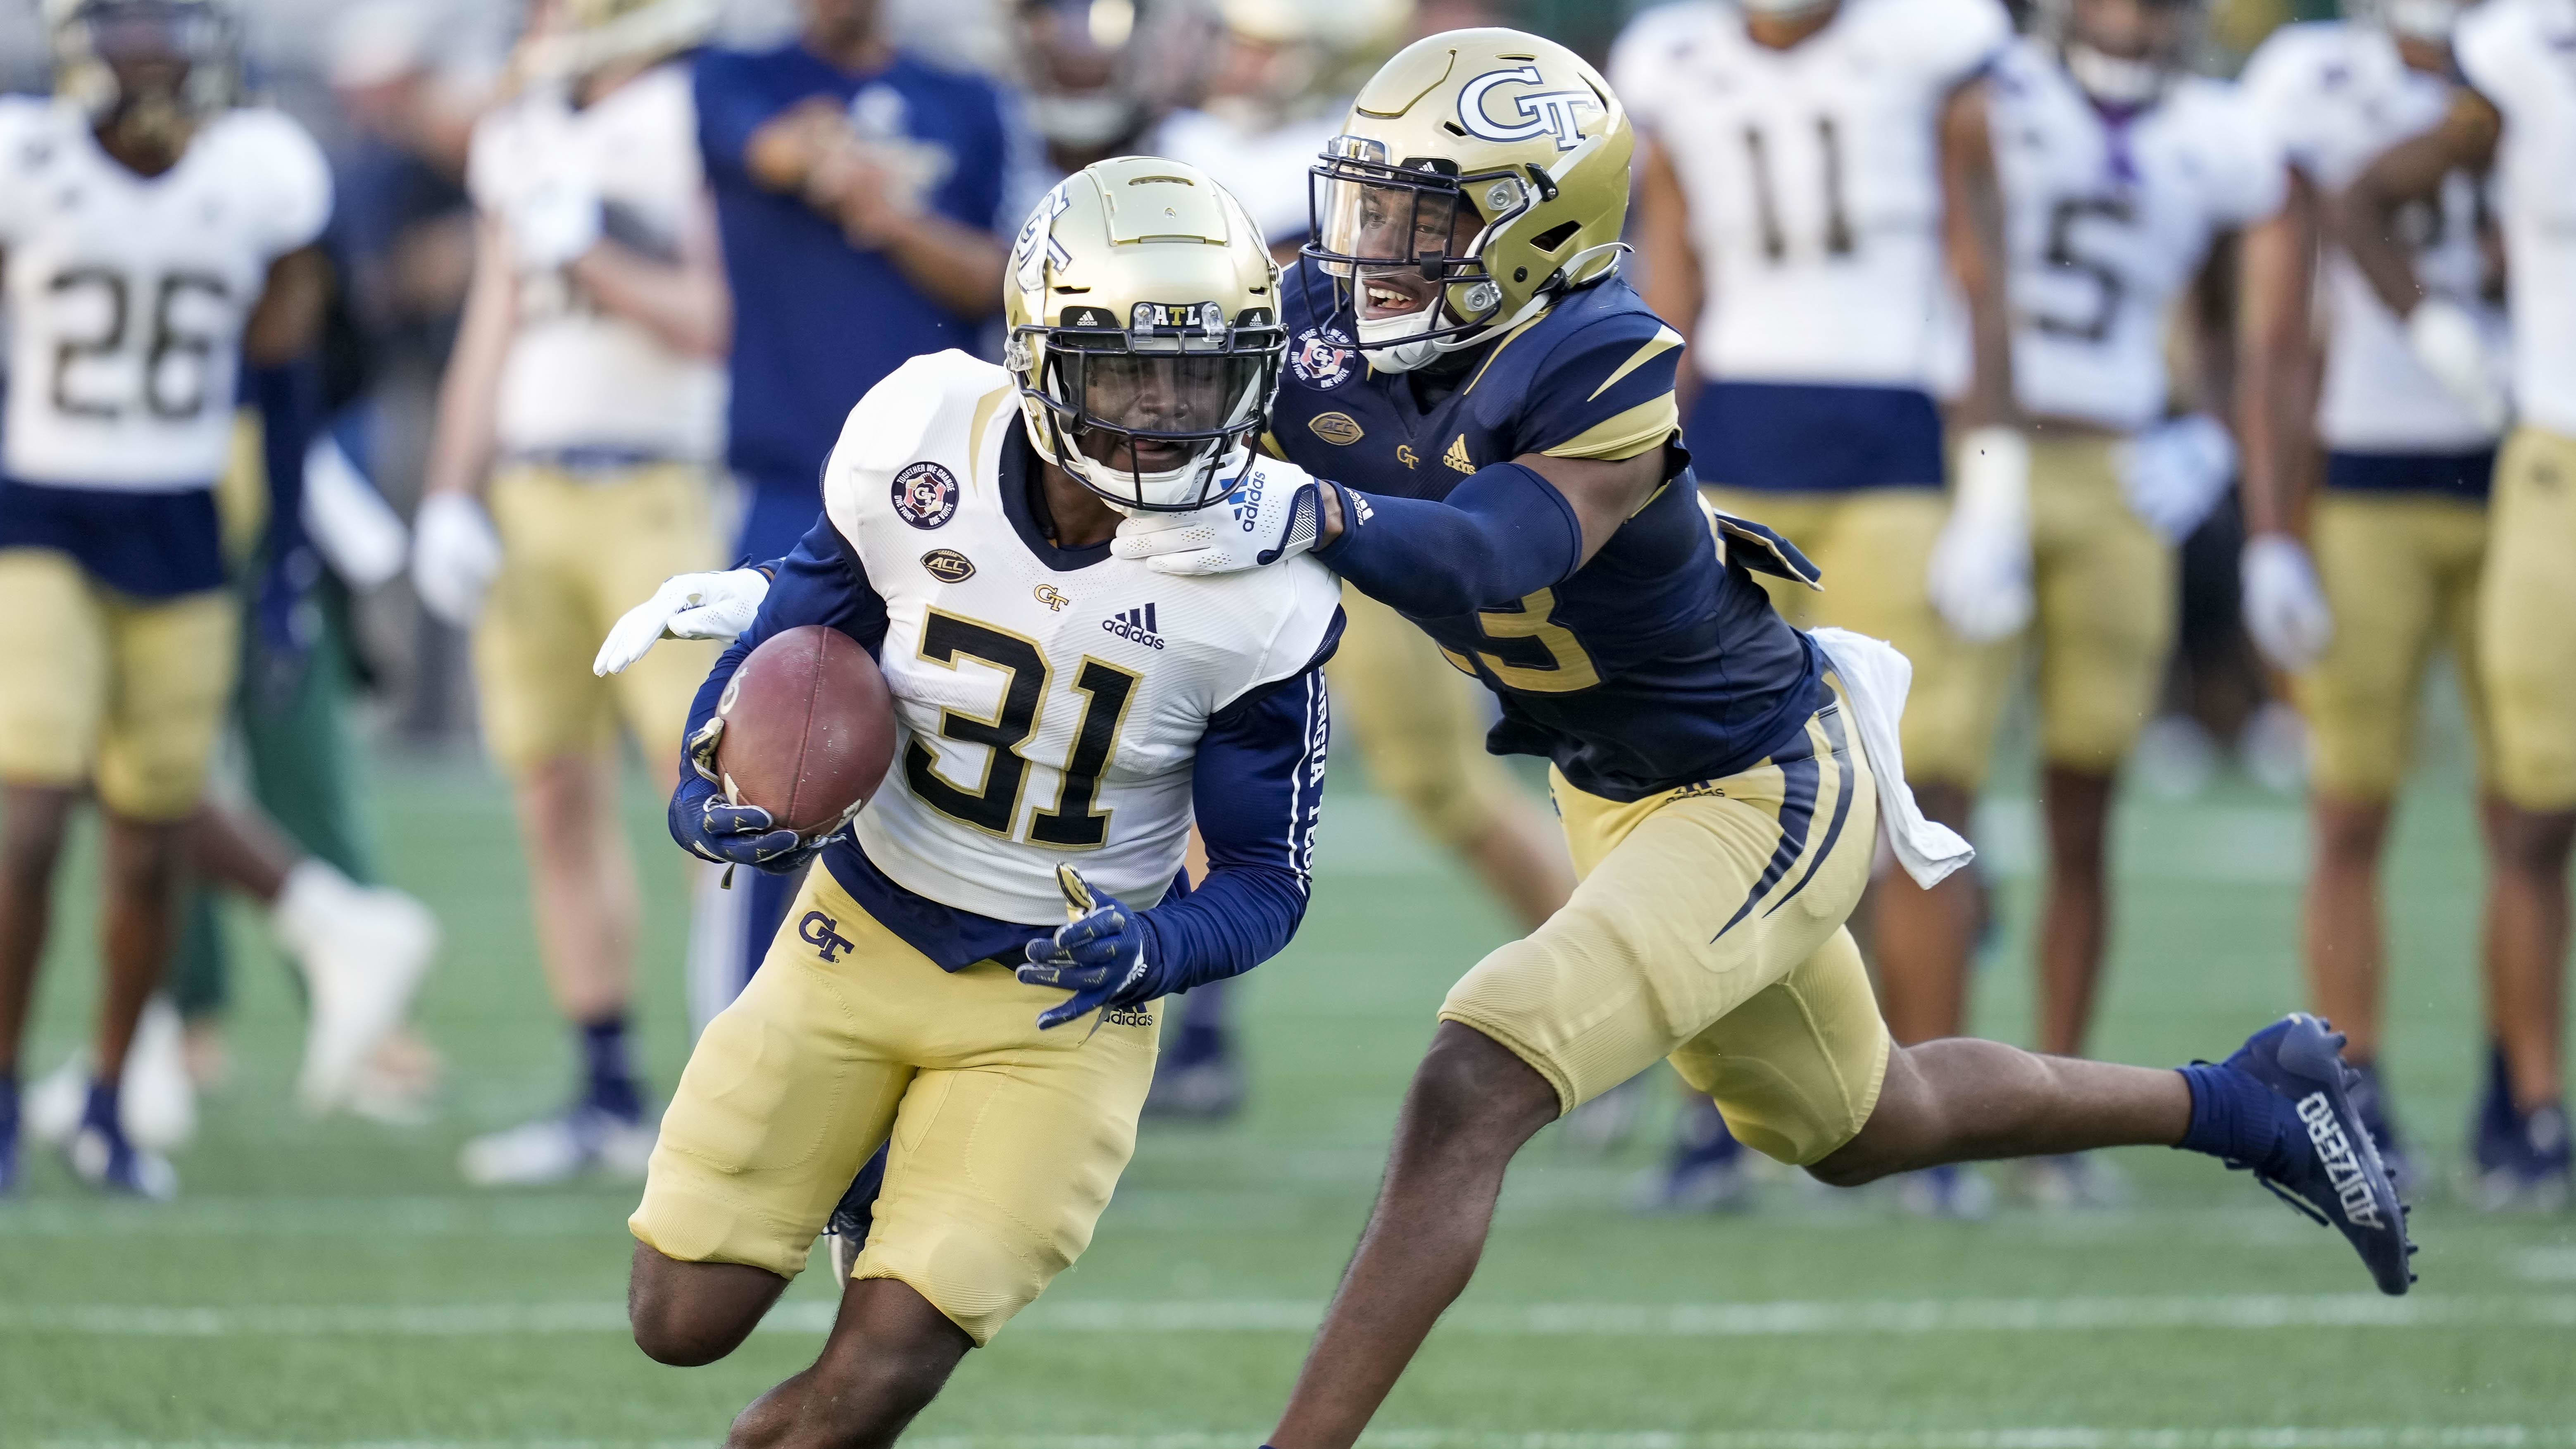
(2337, 94)
(127, 294)
(1813, 176)
(2521, 55)
(1050, 705)
(2107, 220)
(578, 377)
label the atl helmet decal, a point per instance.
(1323, 356)
(1029, 259)
(925, 495)
(1542, 113)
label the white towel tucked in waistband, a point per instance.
(1875, 679)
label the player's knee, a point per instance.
(143, 858)
(688, 1315)
(1472, 1094)
(2532, 841)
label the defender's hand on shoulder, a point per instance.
(1275, 513)
(687, 606)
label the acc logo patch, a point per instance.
(948, 565)
(1323, 357)
(925, 495)
(1555, 114)
(1339, 429)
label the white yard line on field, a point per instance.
(1529, 1320)
(2421, 1436)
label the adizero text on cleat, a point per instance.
(2320, 1158)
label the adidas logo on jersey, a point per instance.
(1136, 624)
(1457, 457)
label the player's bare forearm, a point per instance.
(287, 323)
(1973, 237)
(686, 307)
(1671, 280)
(2412, 171)
(956, 266)
(1471, 1107)
(2275, 359)
(469, 396)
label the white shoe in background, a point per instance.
(363, 952)
(558, 1149)
(157, 1102)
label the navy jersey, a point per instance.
(817, 322)
(1661, 662)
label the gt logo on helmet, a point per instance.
(1559, 114)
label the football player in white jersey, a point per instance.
(2516, 114)
(1816, 190)
(1418, 727)
(2122, 176)
(155, 232)
(1058, 707)
(580, 423)
(2400, 527)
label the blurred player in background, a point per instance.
(2124, 178)
(2516, 114)
(1278, 78)
(859, 190)
(585, 399)
(157, 234)
(921, 1001)
(1817, 178)
(1720, 773)
(2400, 529)
(1079, 63)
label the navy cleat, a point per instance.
(102, 1156)
(2282, 1109)
(1708, 1171)
(2522, 1159)
(847, 1231)
(2370, 1102)
(1198, 1078)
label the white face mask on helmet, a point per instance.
(2115, 80)
(2419, 19)
(1783, 9)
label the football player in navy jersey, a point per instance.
(1508, 404)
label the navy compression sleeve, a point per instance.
(1500, 536)
(1258, 790)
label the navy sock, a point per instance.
(8, 1105)
(100, 1110)
(2233, 1115)
(1198, 1041)
(609, 1074)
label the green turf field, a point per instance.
(326, 1283)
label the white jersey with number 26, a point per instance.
(2106, 221)
(1813, 177)
(2521, 54)
(127, 295)
(1050, 708)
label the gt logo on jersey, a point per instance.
(925, 495)
(823, 934)
(1559, 114)
(1051, 596)
(1322, 357)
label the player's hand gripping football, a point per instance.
(1980, 574)
(1102, 954)
(1274, 513)
(687, 606)
(711, 825)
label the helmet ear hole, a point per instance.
(1554, 238)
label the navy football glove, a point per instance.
(1104, 955)
(711, 827)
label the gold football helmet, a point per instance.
(177, 61)
(1144, 333)
(1481, 174)
(583, 36)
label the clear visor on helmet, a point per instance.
(150, 33)
(1154, 411)
(1394, 236)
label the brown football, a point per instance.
(808, 729)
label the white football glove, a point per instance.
(1980, 573)
(687, 606)
(359, 534)
(1275, 513)
(2176, 471)
(454, 556)
(2285, 609)
(554, 225)
(2446, 338)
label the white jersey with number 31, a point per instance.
(1050, 708)
(127, 294)
(2107, 221)
(2521, 55)
(1813, 176)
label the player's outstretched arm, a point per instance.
(822, 582)
(2442, 333)
(1257, 788)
